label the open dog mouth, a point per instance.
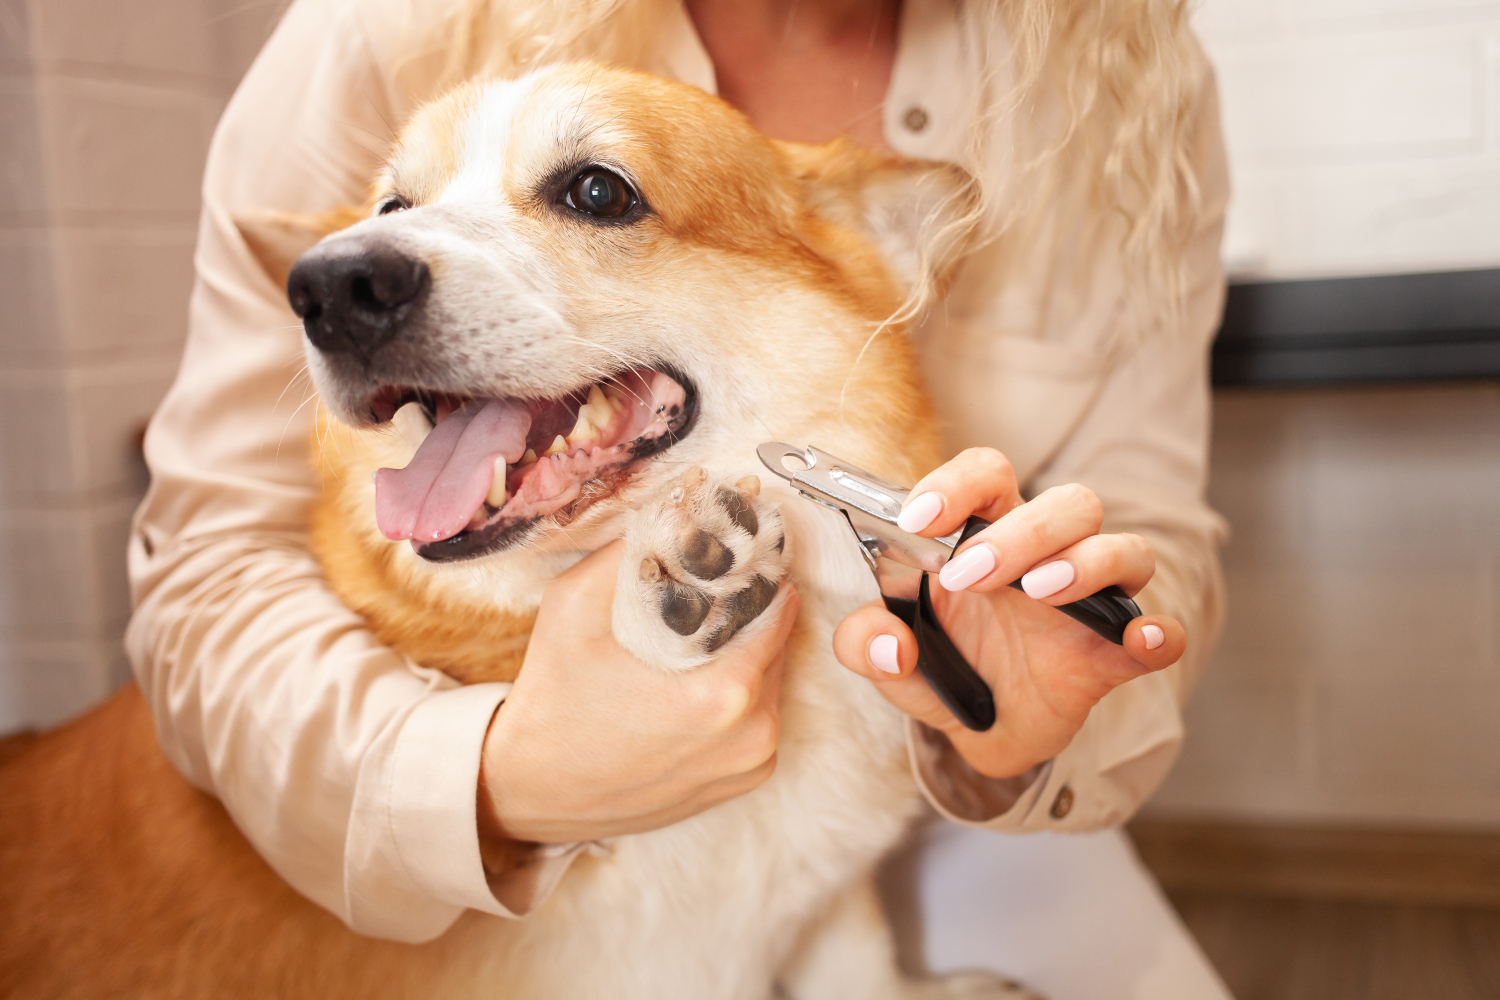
(487, 469)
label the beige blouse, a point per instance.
(354, 771)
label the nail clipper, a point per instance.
(901, 562)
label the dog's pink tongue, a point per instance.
(436, 494)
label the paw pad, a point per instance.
(705, 556)
(742, 609)
(683, 608)
(738, 507)
(711, 556)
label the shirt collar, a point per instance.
(680, 54)
(935, 87)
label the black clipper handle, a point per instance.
(965, 694)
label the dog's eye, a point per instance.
(600, 193)
(395, 203)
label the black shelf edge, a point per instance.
(1388, 328)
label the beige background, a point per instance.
(106, 109)
(1359, 677)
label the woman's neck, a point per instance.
(805, 70)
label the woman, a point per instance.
(1073, 338)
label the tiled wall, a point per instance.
(1358, 679)
(106, 109)
(1364, 134)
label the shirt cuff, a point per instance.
(412, 861)
(1119, 756)
(959, 792)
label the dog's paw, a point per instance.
(702, 561)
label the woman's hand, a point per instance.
(593, 743)
(1046, 670)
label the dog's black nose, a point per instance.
(354, 294)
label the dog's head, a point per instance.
(571, 285)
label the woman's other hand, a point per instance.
(1046, 670)
(593, 743)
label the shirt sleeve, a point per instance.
(1142, 447)
(351, 770)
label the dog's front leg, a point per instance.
(701, 563)
(848, 954)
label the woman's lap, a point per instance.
(1074, 916)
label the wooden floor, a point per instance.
(1298, 914)
(1302, 949)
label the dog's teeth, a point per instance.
(497, 496)
(584, 430)
(614, 393)
(596, 411)
(528, 459)
(411, 423)
(559, 444)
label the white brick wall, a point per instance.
(106, 108)
(1364, 134)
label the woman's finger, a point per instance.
(877, 645)
(1123, 560)
(1059, 518)
(976, 481)
(1155, 641)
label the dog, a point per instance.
(575, 304)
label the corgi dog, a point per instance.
(575, 304)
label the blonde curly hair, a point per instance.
(1097, 101)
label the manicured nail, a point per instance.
(919, 513)
(883, 654)
(973, 565)
(1153, 635)
(1044, 581)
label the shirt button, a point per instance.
(916, 119)
(1063, 804)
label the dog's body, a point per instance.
(733, 300)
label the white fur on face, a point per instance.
(525, 300)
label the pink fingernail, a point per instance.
(884, 650)
(1153, 635)
(919, 513)
(976, 563)
(1044, 581)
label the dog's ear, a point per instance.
(918, 213)
(278, 238)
